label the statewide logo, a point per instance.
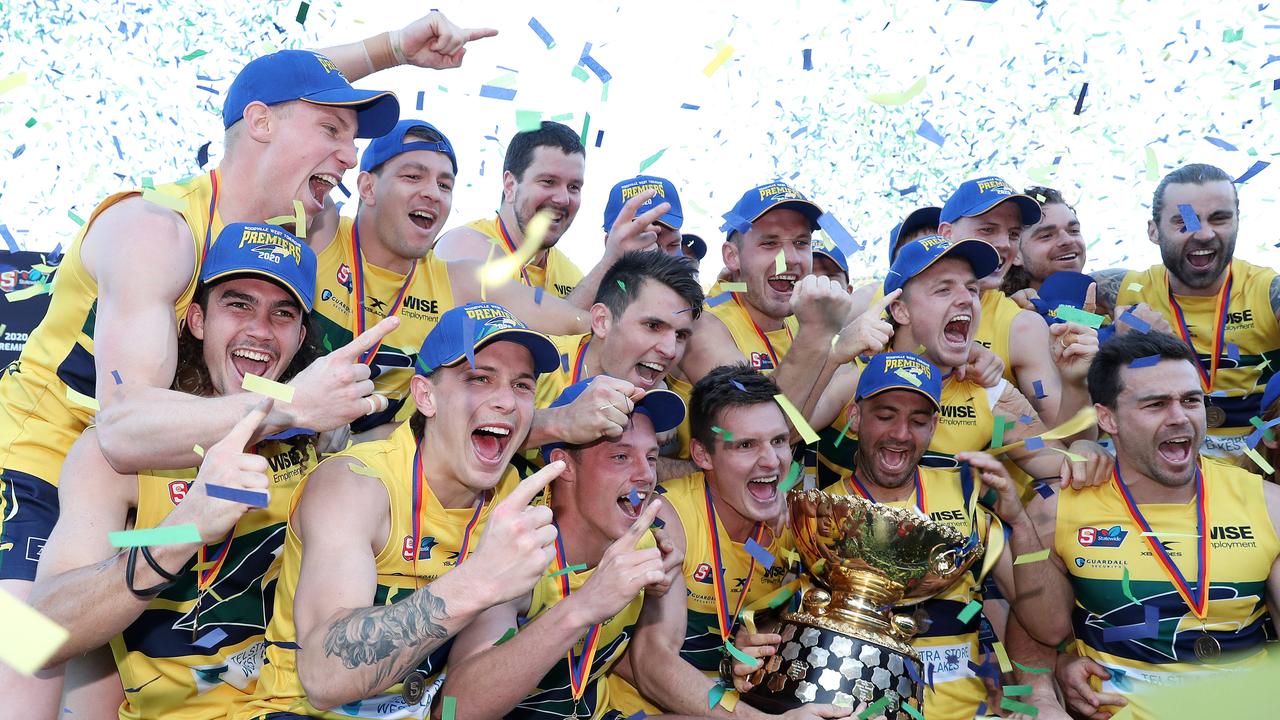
(761, 361)
(424, 549)
(702, 574)
(178, 490)
(344, 276)
(1100, 538)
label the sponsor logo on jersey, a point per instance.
(762, 361)
(344, 276)
(703, 573)
(421, 305)
(178, 490)
(1111, 537)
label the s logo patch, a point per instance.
(1111, 537)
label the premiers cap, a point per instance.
(975, 197)
(664, 408)
(309, 76)
(918, 255)
(469, 328)
(1061, 288)
(627, 189)
(385, 147)
(759, 200)
(827, 248)
(266, 251)
(900, 371)
(920, 218)
(693, 246)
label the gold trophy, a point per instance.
(844, 646)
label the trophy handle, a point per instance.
(944, 560)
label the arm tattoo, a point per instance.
(380, 636)
(1109, 287)
(1275, 295)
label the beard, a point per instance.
(1175, 259)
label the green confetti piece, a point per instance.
(644, 165)
(1017, 690)
(911, 711)
(1026, 669)
(1153, 167)
(1078, 316)
(302, 12)
(900, 98)
(604, 92)
(716, 692)
(580, 73)
(1260, 461)
(1266, 431)
(78, 220)
(1021, 707)
(448, 707)
(997, 435)
(148, 183)
(150, 537)
(510, 633)
(1230, 35)
(622, 285)
(324, 340)
(14, 80)
(586, 125)
(528, 120)
(874, 708)
(741, 656)
(31, 122)
(781, 596)
(194, 55)
(572, 568)
(844, 431)
(1124, 586)
(969, 611)
(793, 477)
(728, 436)
(908, 377)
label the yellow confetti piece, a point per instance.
(733, 287)
(498, 271)
(30, 291)
(1034, 557)
(270, 388)
(729, 700)
(719, 59)
(1153, 166)
(1003, 657)
(1083, 419)
(900, 98)
(362, 470)
(280, 220)
(749, 620)
(1070, 455)
(204, 565)
(1134, 287)
(801, 425)
(29, 638)
(1169, 534)
(1258, 460)
(780, 262)
(164, 200)
(14, 80)
(83, 400)
(198, 450)
(299, 220)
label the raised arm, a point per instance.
(1032, 362)
(81, 583)
(349, 650)
(431, 41)
(629, 232)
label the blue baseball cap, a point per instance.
(627, 189)
(1061, 288)
(385, 147)
(665, 408)
(264, 250)
(900, 371)
(693, 246)
(925, 217)
(467, 329)
(828, 249)
(975, 197)
(916, 256)
(304, 75)
(761, 199)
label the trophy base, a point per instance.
(847, 667)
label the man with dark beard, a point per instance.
(1217, 304)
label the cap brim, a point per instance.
(230, 273)
(545, 356)
(982, 257)
(1065, 288)
(837, 259)
(377, 111)
(1027, 206)
(921, 218)
(904, 386)
(804, 207)
(665, 408)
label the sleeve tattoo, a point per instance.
(1109, 286)
(389, 637)
(1275, 295)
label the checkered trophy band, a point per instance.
(844, 645)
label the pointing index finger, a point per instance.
(479, 33)
(879, 306)
(641, 524)
(529, 488)
(244, 429)
(369, 338)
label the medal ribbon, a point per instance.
(579, 666)
(1223, 302)
(578, 361)
(357, 288)
(727, 621)
(860, 489)
(213, 207)
(511, 249)
(768, 346)
(419, 488)
(1198, 601)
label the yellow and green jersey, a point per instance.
(560, 276)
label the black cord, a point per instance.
(131, 565)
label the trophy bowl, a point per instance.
(843, 645)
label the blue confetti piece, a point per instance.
(8, 239)
(210, 639)
(252, 498)
(757, 551)
(497, 93)
(740, 386)
(541, 32)
(1084, 90)
(1221, 143)
(1190, 220)
(839, 235)
(119, 152)
(1038, 386)
(1035, 443)
(1148, 628)
(19, 150)
(928, 132)
(591, 64)
(1134, 322)
(564, 362)
(689, 106)
(634, 497)
(537, 294)
(469, 333)
(202, 155)
(1026, 419)
(115, 375)
(1253, 170)
(720, 299)
(735, 223)
(638, 716)
(800, 132)
(807, 58)
(292, 432)
(982, 710)
(599, 137)
(1043, 489)
(422, 96)
(1233, 352)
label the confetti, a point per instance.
(496, 272)
(571, 569)
(82, 400)
(1084, 90)
(1069, 455)
(1134, 322)
(1020, 707)
(1134, 287)
(973, 608)
(1190, 221)
(644, 164)
(299, 220)
(164, 200)
(900, 98)
(927, 131)
(749, 620)
(28, 292)
(874, 708)
(732, 287)
(1253, 170)
(839, 235)
(210, 639)
(719, 59)
(497, 93)
(542, 33)
(911, 710)
(13, 81)
(591, 64)
(1260, 461)
(527, 120)
(1124, 585)
(151, 537)
(301, 17)
(634, 497)
(997, 434)
(1148, 628)
(29, 638)
(714, 694)
(8, 239)
(780, 262)
(252, 498)
(197, 450)
(115, 375)
(729, 701)
(797, 419)
(793, 477)
(510, 633)
(1002, 656)
(807, 58)
(757, 551)
(194, 55)
(1078, 316)
(1262, 427)
(1034, 557)
(1038, 386)
(741, 656)
(1034, 443)
(449, 708)
(725, 434)
(270, 388)
(908, 377)
(1147, 361)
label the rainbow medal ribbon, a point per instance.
(578, 360)
(857, 488)
(357, 289)
(213, 207)
(579, 665)
(1209, 374)
(727, 620)
(764, 338)
(419, 489)
(511, 247)
(1206, 646)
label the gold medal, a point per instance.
(1207, 648)
(1215, 416)
(414, 687)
